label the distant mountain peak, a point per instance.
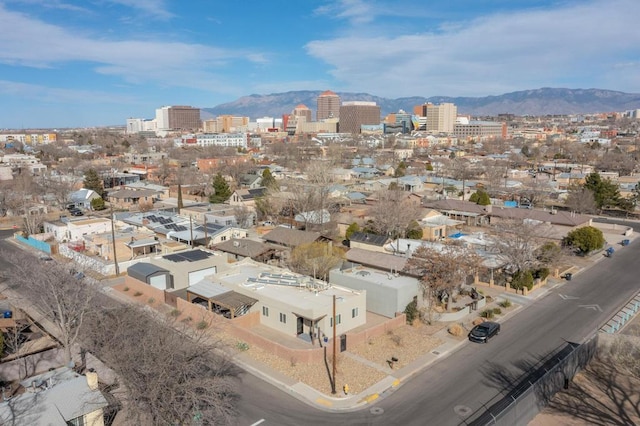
(542, 101)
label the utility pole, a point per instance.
(206, 237)
(333, 384)
(191, 228)
(113, 238)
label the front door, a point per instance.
(300, 325)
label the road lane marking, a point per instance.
(258, 422)
(565, 297)
(594, 307)
(324, 402)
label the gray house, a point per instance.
(387, 293)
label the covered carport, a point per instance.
(219, 299)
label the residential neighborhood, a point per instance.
(299, 247)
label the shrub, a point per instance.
(522, 279)
(506, 303)
(151, 300)
(412, 311)
(497, 311)
(456, 330)
(542, 273)
(487, 313)
(137, 293)
(478, 321)
(202, 325)
(585, 239)
(242, 346)
(126, 289)
(175, 313)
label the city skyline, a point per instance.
(76, 64)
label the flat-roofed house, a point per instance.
(294, 304)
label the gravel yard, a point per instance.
(407, 343)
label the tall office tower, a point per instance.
(356, 113)
(441, 118)
(328, 106)
(302, 111)
(178, 117)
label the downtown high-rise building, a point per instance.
(357, 113)
(440, 118)
(178, 117)
(328, 106)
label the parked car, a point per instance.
(481, 333)
(76, 212)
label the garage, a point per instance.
(196, 276)
(153, 275)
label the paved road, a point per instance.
(463, 381)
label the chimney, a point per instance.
(92, 380)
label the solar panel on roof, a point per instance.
(195, 255)
(181, 228)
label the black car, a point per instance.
(76, 212)
(481, 333)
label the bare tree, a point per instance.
(243, 215)
(172, 373)
(517, 243)
(61, 297)
(315, 259)
(392, 212)
(581, 200)
(442, 271)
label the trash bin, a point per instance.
(568, 276)
(625, 242)
(610, 251)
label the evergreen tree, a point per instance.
(221, 190)
(93, 181)
(414, 231)
(605, 192)
(401, 170)
(354, 227)
(268, 181)
(97, 204)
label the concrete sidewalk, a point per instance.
(394, 378)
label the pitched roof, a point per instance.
(372, 239)
(244, 247)
(250, 194)
(291, 237)
(57, 401)
(374, 259)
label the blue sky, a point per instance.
(66, 63)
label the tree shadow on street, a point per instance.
(602, 394)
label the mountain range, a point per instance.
(536, 102)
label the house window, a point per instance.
(265, 311)
(283, 318)
(354, 312)
(223, 238)
(338, 320)
(78, 421)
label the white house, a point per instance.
(75, 230)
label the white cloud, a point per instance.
(44, 94)
(155, 8)
(355, 11)
(43, 45)
(581, 42)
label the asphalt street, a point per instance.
(450, 390)
(447, 392)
